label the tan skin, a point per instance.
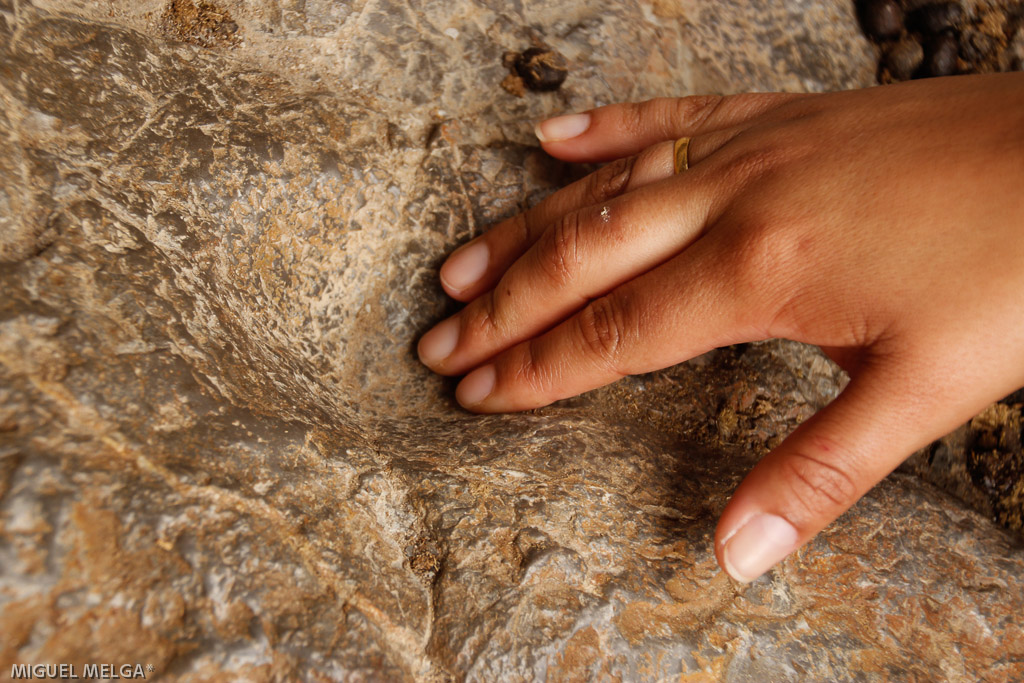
(884, 225)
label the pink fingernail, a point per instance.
(465, 266)
(758, 546)
(562, 127)
(438, 343)
(477, 386)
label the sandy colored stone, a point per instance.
(219, 456)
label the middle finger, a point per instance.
(477, 266)
(583, 255)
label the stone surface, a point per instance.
(218, 455)
(962, 37)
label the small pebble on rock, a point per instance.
(881, 19)
(903, 59)
(1013, 58)
(940, 56)
(541, 68)
(936, 17)
(978, 48)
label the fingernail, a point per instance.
(477, 386)
(562, 127)
(439, 343)
(465, 266)
(758, 546)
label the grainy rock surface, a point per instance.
(923, 38)
(220, 226)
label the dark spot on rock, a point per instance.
(739, 349)
(989, 36)
(936, 17)
(978, 49)
(881, 19)
(536, 68)
(940, 56)
(542, 68)
(903, 59)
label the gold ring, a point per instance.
(681, 156)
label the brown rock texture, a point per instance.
(925, 39)
(220, 227)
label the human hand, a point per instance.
(884, 225)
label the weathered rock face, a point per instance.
(218, 455)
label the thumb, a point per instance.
(823, 468)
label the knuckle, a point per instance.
(666, 115)
(819, 487)
(772, 277)
(561, 259)
(611, 180)
(528, 374)
(522, 227)
(754, 258)
(484, 316)
(757, 263)
(603, 329)
(695, 111)
(634, 117)
(755, 160)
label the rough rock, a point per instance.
(219, 457)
